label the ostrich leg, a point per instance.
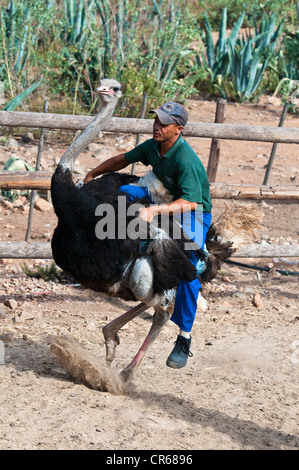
(160, 318)
(110, 330)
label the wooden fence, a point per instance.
(145, 126)
(41, 180)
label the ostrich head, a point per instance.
(109, 92)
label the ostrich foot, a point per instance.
(84, 367)
(110, 330)
(111, 344)
(127, 374)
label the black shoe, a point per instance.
(180, 353)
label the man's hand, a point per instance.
(112, 164)
(146, 214)
(88, 178)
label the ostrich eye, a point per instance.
(116, 88)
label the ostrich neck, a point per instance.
(87, 136)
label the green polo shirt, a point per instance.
(180, 170)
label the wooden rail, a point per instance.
(42, 180)
(145, 126)
(25, 179)
(42, 250)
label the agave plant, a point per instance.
(286, 67)
(216, 57)
(250, 58)
(241, 60)
(75, 21)
(247, 68)
(17, 100)
(287, 59)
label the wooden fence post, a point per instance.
(273, 151)
(143, 109)
(215, 145)
(37, 167)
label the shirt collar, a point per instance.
(172, 149)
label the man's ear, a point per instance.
(179, 129)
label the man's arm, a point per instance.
(112, 164)
(175, 207)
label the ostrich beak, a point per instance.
(104, 90)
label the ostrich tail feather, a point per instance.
(238, 225)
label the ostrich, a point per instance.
(128, 268)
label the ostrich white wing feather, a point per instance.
(156, 189)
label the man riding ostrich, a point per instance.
(160, 271)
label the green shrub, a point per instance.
(237, 63)
(47, 273)
(150, 46)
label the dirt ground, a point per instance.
(239, 391)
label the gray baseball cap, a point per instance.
(172, 113)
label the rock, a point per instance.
(274, 100)
(14, 269)
(92, 147)
(28, 138)
(9, 226)
(90, 325)
(42, 205)
(25, 315)
(290, 317)
(19, 202)
(11, 303)
(239, 295)
(2, 354)
(12, 143)
(3, 158)
(256, 300)
(25, 208)
(7, 337)
(47, 235)
(103, 153)
(3, 315)
(7, 204)
(79, 170)
(224, 304)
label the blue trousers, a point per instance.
(196, 226)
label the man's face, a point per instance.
(162, 132)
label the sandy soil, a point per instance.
(239, 390)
